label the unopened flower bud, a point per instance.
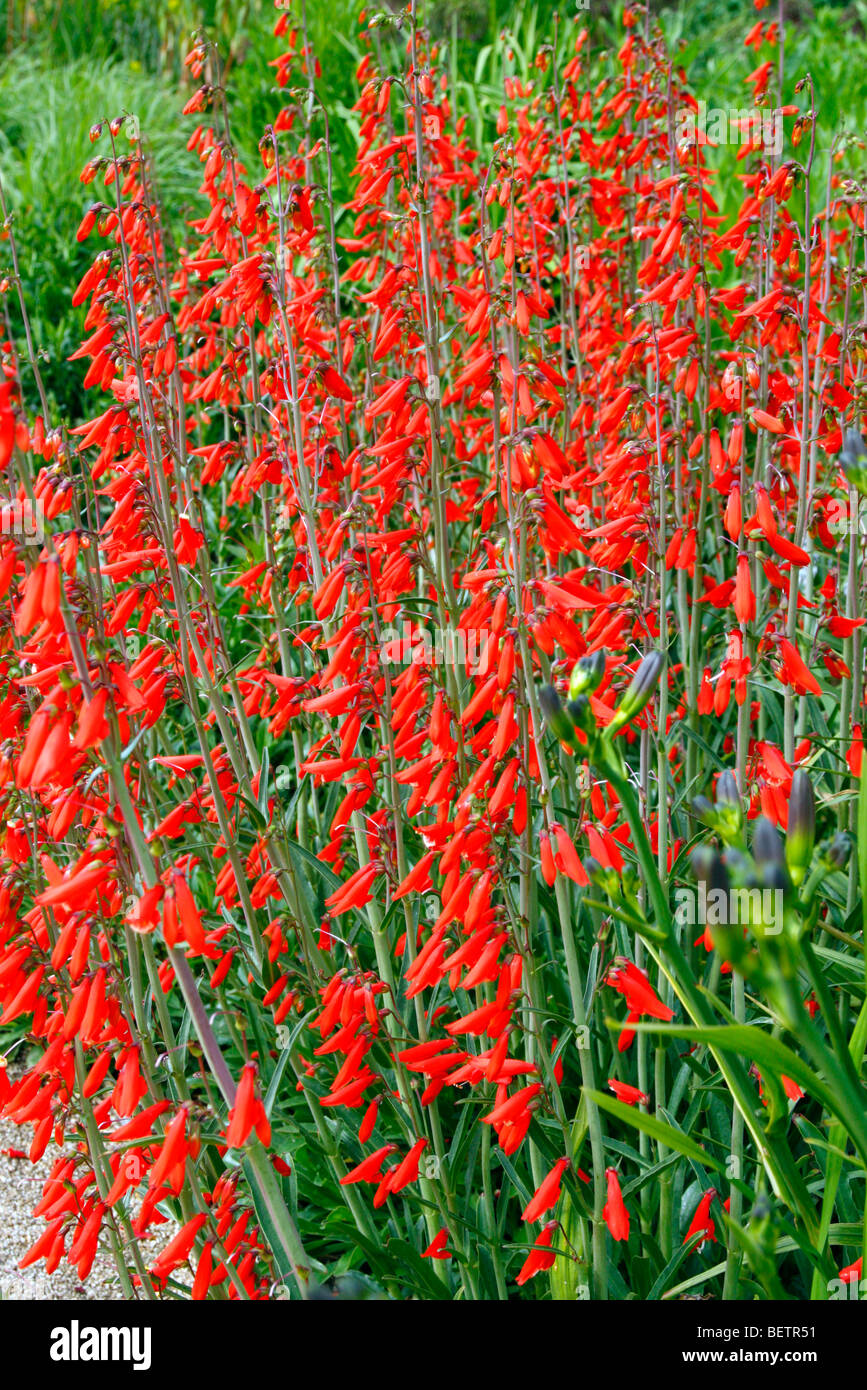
(641, 689)
(709, 868)
(587, 674)
(767, 844)
(739, 865)
(727, 793)
(555, 716)
(581, 714)
(839, 850)
(775, 878)
(729, 807)
(593, 869)
(801, 832)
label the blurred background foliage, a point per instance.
(70, 63)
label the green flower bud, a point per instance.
(739, 866)
(775, 878)
(555, 716)
(640, 691)
(700, 860)
(604, 879)
(801, 833)
(587, 674)
(730, 814)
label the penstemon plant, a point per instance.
(431, 683)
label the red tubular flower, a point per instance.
(614, 1212)
(178, 1250)
(638, 992)
(745, 601)
(630, 1095)
(189, 919)
(437, 1248)
(541, 1257)
(702, 1220)
(368, 1170)
(407, 1171)
(92, 724)
(43, 1243)
(174, 1149)
(547, 1193)
(204, 1271)
(242, 1114)
(509, 1109)
(852, 1273)
(225, 681)
(795, 672)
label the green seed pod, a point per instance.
(641, 689)
(801, 833)
(555, 716)
(587, 674)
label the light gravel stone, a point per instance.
(20, 1189)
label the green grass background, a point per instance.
(69, 64)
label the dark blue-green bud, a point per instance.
(840, 850)
(767, 843)
(727, 793)
(801, 831)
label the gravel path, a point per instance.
(20, 1189)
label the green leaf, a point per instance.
(657, 1129)
(747, 1040)
(682, 1253)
